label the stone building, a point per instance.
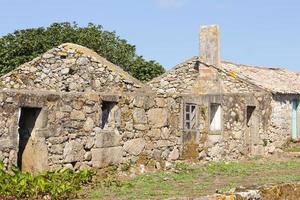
(72, 108)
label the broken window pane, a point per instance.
(190, 120)
(187, 108)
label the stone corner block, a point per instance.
(103, 157)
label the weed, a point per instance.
(229, 169)
(59, 184)
(227, 188)
(181, 166)
(265, 142)
(200, 179)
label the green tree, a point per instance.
(24, 45)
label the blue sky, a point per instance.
(256, 32)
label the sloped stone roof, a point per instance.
(183, 77)
(179, 79)
(276, 80)
(70, 68)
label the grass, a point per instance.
(197, 180)
(293, 149)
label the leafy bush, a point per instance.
(61, 184)
(24, 45)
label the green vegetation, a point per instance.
(196, 180)
(293, 149)
(228, 187)
(185, 181)
(24, 45)
(265, 142)
(63, 184)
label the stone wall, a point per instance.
(179, 79)
(279, 130)
(91, 113)
(192, 77)
(70, 68)
(142, 129)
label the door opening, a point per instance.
(27, 125)
(295, 105)
(252, 131)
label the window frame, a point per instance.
(215, 131)
(190, 112)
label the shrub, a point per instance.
(59, 184)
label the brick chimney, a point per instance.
(210, 45)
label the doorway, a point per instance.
(295, 127)
(252, 130)
(29, 122)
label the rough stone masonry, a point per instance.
(72, 108)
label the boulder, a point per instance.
(135, 146)
(82, 61)
(88, 125)
(139, 101)
(139, 116)
(158, 117)
(160, 102)
(77, 115)
(73, 151)
(107, 139)
(174, 155)
(107, 156)
(89, 143)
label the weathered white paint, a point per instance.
(216, 119)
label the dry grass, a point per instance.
(197, 180)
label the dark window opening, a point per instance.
(67, 89)
(197, 65)
(249, 113)
(107, 119)
(72, 71)
(27, 123)
(190, 116)
(63, 56)
(73, 163)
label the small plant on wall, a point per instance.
(265, 142)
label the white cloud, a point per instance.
(171, 3)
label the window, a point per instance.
(108, 117)
(215, 117)
(190, 117)
(249, 113)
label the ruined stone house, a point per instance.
(72, 108)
